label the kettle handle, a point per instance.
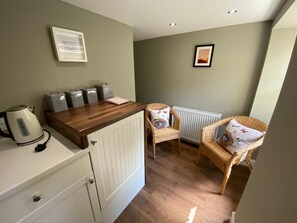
(6, 135)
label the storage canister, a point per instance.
(56, 102)
(74, 98)
(90, 95)
(104, 91)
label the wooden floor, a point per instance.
(179, 191)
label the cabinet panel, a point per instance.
(118, 163)
(71, 206)
(47, 188)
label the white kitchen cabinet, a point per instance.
(67, 195)
(91, 178)
(71, 206)
(117, 155)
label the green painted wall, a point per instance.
(164, 71)
(270, 194)
(27, 60)
(274, 71)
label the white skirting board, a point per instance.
(232, 219)
(252, 162)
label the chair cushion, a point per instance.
(160, 118)
(237, 136)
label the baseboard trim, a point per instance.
(232, 219)
(245, 164)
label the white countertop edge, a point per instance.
(37, 177)
(77, 153)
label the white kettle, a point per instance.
(22, 125)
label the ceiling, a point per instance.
(151, 19)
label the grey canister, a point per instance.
(56, 102)
(104, 91)
(90, 95)
(74, 98)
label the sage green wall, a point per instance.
(27, 60)
(270, 194)
(274, 71)
(164, 71)
(284, 9)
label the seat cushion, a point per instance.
(237, 136)
(165, 134)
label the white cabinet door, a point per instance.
(118, 164)
(74, 205)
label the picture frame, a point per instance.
(203, 55)
(69, 45)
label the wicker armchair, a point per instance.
(223, 159)
(163, 134)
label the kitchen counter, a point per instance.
(52, 182)
(76, 123)
(21, 165)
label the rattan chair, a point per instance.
(163, 134)
(223, 159)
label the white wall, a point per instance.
(273, 74)
(270, 195)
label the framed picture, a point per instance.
(69, 45)
(203, 55)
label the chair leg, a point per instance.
(179, 145)
(154, 150)
(199, 156)
(226, 177)
(248, 162)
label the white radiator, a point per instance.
(193, 120)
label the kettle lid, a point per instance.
(17, 108)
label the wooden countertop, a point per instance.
(76, 123)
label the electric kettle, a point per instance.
(22, 125)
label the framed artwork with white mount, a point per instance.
(203, 55)
(69, 45)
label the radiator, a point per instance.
(193, 120)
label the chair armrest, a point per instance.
(236, 157)
(176, 123)
(208, 132)
(252, 146)
(151, 125)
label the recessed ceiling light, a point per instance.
(172, 24)
(232, 11)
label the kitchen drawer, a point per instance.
(20, 204)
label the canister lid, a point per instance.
(103, 86)
(73, 92)
(55, 95)
(89, 89)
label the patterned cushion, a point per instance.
(237, 136)
(160, 118)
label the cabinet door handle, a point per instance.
(91, 181)
(36, 197)
(93, 142)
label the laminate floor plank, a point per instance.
(178, 190)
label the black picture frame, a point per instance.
(203, 55)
